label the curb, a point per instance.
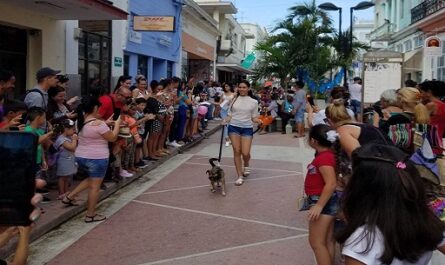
(41, 229)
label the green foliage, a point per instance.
(305, 39)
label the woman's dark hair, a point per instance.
(247, 83)
(165, 82)
(121, 79)
(231, 88)
(98, 91)
(52, 104)
(153, 84)
(340, 92)
(437, 88)
(139, 80)
(386, 194)
(310, 100)
(319, 133)
(63, 78)
(5, 75)
(86, 107)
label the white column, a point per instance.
(72, 48)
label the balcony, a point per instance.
(425, 9)
(383, 32)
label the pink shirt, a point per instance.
(92, 144)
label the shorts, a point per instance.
(331, 206)
(299, 115)
(243, 132)
(96, 168)
(356, 106)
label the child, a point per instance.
(128, 163)
(65, 146)
(387, 217)
(141, 119)
(319, 186)
(37, 118)
(13, 111)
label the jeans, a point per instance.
(182, 120)
(209, 115)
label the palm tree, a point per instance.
(310, 11)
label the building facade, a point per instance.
(199, 43)
(38, 34)
(259, 34)
(231, 45)
(403, 26)
(153, 39)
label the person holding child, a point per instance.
(92, 155)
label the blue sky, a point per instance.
(267, 12)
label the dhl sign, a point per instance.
(154, 23)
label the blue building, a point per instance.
(153, 46)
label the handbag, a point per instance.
(304, 203)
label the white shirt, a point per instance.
(356, 92)
(357, 243)
(242, 111)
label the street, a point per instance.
(169, 216)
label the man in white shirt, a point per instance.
(355, 90)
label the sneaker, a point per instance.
(42, 191)
(141, 164)
(125, 174)
(227, 144)
(246, 171)
(46, 200)
(175, 144)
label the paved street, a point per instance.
(169, 216)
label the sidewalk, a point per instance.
(56, 213)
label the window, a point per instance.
(94, 54)
(142, 65)
(399, 48)
(408, 45)
(126, 65)
(418, 41)
(169, 69)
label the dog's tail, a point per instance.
(212, 161)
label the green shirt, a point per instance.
(38, 132)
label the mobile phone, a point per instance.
(116, 114)
(18, 153)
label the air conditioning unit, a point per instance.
(226, 45)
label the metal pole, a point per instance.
(350, 34)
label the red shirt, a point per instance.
(438, 120)
(314, 183)
(106, 110)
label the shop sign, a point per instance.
(135, 37)
(248, 61)
(154, 23)
(118, 61)
(433, 46)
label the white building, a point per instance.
(403, 26)
(231, 43)
(259, 34)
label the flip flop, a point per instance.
(95, 218)
(68, 202)
(239, 181)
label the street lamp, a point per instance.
(331, 7)
(360, 6)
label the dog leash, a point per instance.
(221, 142)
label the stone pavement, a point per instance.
(169, 216)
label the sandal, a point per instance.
(68, 201)
(95, 218)
(246, 171)
(239, 181)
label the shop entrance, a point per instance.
(13, 52)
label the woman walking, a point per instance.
(225, 105)
(243, 112)
(92, 154)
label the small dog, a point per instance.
(216, 177)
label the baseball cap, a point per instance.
(45, 72)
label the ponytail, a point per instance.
(86, 107)
(421, 114)
(337, 113)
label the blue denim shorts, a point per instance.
(356, 106)
(243, 132)
(299, 115)
(96, 168)
(331, 206)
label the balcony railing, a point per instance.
(426, 8)
(383, 32)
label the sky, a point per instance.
(267, 12)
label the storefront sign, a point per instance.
(154, 23)
(433, 46)
(165, 40)
(118, 61)
(197, 47)
(249, 60)
(135, 37)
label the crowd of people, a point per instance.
(365, 188)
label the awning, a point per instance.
(72, 9)
(413, 60)
(229, 67)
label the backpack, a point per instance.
(401, 133)
(41, 94)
